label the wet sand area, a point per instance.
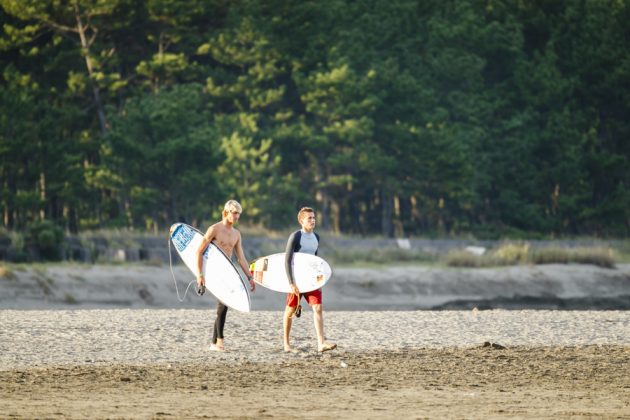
(463, 364)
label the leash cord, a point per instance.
(170, 262)
(298, 308)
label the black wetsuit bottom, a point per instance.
(219, 323)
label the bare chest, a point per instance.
(226, 241)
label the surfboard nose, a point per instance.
(173, 227)
(244, 308)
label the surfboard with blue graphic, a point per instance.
(222, 277)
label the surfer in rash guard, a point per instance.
(228, 239)
(304, 240)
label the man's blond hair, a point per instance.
(233, 203)
(303, 211)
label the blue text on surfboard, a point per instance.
(182, 237)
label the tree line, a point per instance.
(398, 117)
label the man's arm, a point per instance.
(207, 238)
(288, 260)
(240, 256)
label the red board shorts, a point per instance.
(312, 298)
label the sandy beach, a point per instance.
(124, 363)
(97, 341)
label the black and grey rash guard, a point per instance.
(299, 241)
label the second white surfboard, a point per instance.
(310, 272)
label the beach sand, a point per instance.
(408, 364)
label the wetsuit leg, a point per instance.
(219, 322)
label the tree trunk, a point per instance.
(5, 209)
(42, 195)
(399, 230)
(85, 47)
(321, 195)
(387, 208)
(335, 217)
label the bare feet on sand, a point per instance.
(218, 346)
(326, 347)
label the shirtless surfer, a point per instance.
(304, 240)
(228, 239)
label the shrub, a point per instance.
(512, 253)
(603, 257)
(551, 255)
(459, 258)
(6, 273)
(46, 240)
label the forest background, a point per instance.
(492, 118)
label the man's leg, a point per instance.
(318, 320)
(292, 303)
(219, 324)
(288, 321)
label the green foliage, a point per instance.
(522, 253)
(45, 239)
(161, 158)
(501, 118)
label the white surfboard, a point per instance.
(310, 272)
(223, 279)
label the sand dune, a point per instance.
(385, 288)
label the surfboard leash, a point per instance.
(170, 263)
(298, 308)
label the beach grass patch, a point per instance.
(602, 257)
(551, 255)
(6, 273)
(377, 256)
(461, 258)
(512, 253)
(599, 256)
(69, 299)
(522, 253)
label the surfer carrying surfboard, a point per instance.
(228, 239)
(307, 241)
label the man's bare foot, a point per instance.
(288, 348)
(216, 347)
(326, 347)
